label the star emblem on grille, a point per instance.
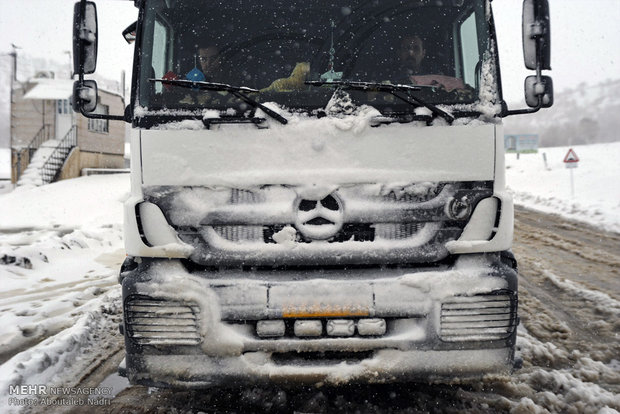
(319, 219)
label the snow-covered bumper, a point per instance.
(196, 328)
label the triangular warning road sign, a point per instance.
(571, 156)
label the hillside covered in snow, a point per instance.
(584, 114)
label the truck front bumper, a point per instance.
(199, 328)
(390, 365)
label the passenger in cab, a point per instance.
(210, 62)
(417, 68)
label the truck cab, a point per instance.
(317, 190)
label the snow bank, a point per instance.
(50, 361)
(5, 171)
(60, 251)
(84, 202)
(5, 163)
(547, 188)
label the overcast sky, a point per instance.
(585, 38)
(585, 43)
(42, 28)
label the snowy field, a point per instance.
(547, 187)
(61, 248)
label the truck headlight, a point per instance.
(458, 208)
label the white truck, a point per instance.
(317, 189)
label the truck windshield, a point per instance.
(277, 46)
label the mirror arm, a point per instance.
(523, 111)
(537, 108)
(104, 116)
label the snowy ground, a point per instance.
(5, 170)
(61, 248)
(547, 187)
(60, 251)
(5, 162)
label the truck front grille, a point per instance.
(349, 233)
(240, 234)
(352, 224)
(161, 322)
(397, 231)
(478, 318)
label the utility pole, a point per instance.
(13, 54)
(68, 52)
(13, 81)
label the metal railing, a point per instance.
(51, 168)
(40, 137)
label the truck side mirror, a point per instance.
(535, 90)
(84, 37)
(536, 34)
(84, 96)
(129, 34)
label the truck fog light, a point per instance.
(308, 328)
(371, 327)
(458, 208)
(270, 329)
(340, 327)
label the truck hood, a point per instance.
(324, 151)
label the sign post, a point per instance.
(571, 160)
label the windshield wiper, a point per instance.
(389, 88)
(238, 91)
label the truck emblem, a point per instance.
(319, 219)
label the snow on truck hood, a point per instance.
(317, 151)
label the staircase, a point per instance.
(47, 158)
(44, 134)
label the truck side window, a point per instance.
(160, 42)
(469, 49)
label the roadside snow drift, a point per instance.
(547, 187)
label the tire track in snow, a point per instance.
(66, 272)
(569, 249)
